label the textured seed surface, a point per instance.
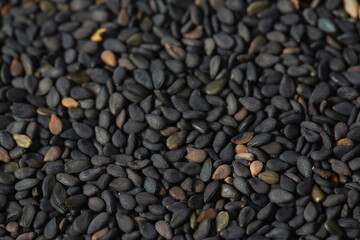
(195, 119)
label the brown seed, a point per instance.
(52, 154)
(95, 37)
(109, 58)
(177, 193)
(123, 18)
(256, 44)
(55, 125)
(16, 68)
(345, 142)
(175, 51)
(256, 167)
(22, 140)
(194, 34)
(207, 214)
(351, 7)
(100, 234)
(4, 155)
(5, 9)
(165, 132)
(354, 68)
(296, 4)
(69, 102)
(240, 149)
(197, 155)
(243, 138)
(13, 228)
(340, 167)
(222, 172)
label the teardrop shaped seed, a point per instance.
(215, 87)
(176, 140)
(22, 140)
(55, 125)
(270, 177)
(222, 221)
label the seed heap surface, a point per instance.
(179, 119)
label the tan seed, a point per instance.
(95, 37)
(345, 142)
(109, 58)
(13, 228)
(351, 7)
(197, 155)
(229, 180)
(222, 172)
(255, 168)
(45, 111)
(163, 228)
(62, 224)
(240, 149)
(245, 156)
(22, 140)
(243, 138)
(317, 194)
(296, 4)
(207, 214)
(194, 34)
(4, 155)
(52, 154)
(16, 68)
(175, 51)
(55, 125)
(177, 193)
(123, 18)
(100, 234)
(69, 102)
(222, 221)
(193, 223)
(165, 132)
(199, 186)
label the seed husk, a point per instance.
(96, 36)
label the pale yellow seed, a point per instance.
(22, 140)
(256, 167)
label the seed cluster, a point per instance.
(179, 119)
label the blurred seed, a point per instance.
(109, 58)
(96, 36)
